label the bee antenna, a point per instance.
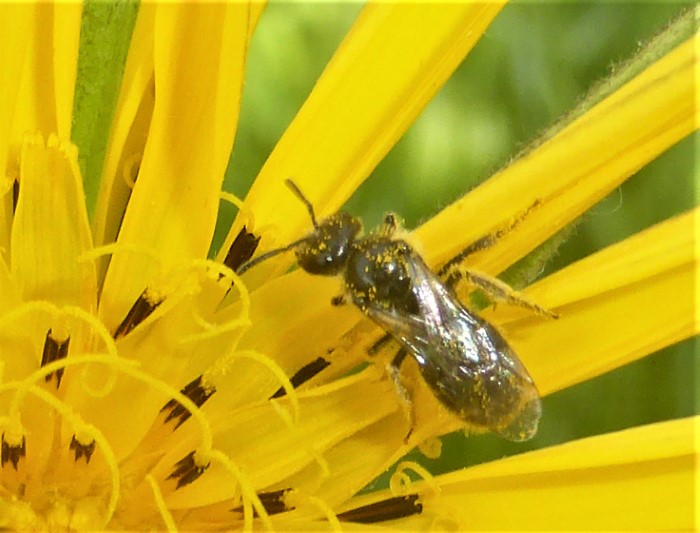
(250, 264)
(267, 255)
(297, 192)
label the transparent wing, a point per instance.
(464, 359)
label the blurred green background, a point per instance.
(533, 64)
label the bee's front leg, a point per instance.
(389, 225)
(394, 370)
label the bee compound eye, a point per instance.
(325, 251)
(316, 262)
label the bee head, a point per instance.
(325, 251)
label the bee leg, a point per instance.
(394, 369)
(339, 300)
(383, 340)
(487, 240)
(389, 226)
(496, 290)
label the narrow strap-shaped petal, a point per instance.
(50, 230)
(15, 24)
(390, 65)
(15, 27)
(131, 120)
(8, 291)
(626, 301)
(132, 117)
(38, 62)
(599, 151)
(48, 80)
(199, 54)
(253, 437)
(66, 40)
(633, 480)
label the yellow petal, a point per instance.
(388, 68)
(10, 298)
(66, 40)
(638, 479)
(354, 462)
(132, 117)
(38, 61)
(285, 316)
(48, 79)
(199, 53)
(253, 437)
(16, 28)
(50, 230)
(576, 168)
(15, 25)
(624, 302)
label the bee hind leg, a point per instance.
(379, 344)
(394, 369)
(487, 240)
(495, 289)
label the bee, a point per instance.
(466, 362)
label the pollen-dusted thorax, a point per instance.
(378, 274)
(325, 251)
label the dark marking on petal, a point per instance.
(381, 343)
(196, 392)
(338, 300)
(186, 470)
(398, 507)
(303, 375)
(15, 195)
(272, 501)
(242, 249)
(12, 453)
(82, 450)
(140, 311)
(53, 351)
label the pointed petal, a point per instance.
(48, 80)
(636, 479)
(599, 150)
(198, 54)
(131, 122)
(38, 61)
(390, 65)
(50, 230)
(626, 301)
(15, 27)
(132, 117)
(66, 40)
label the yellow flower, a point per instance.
(144, 386)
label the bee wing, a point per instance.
(464, 359)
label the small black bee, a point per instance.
(466, 362)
